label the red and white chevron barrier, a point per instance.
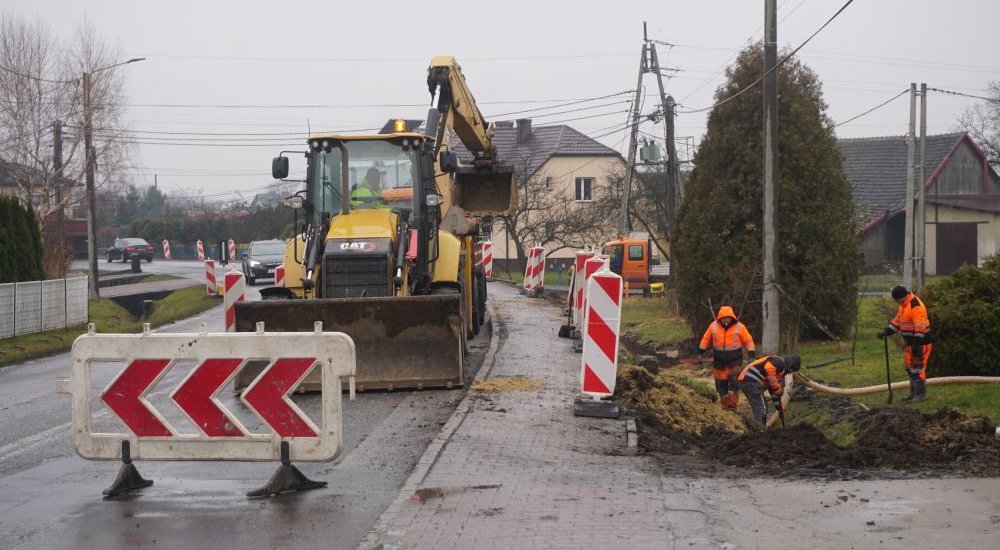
(602, 325)
(279, 275)
(236, 288)
(487, 254)
(534, 272)
(578, 279)
(166, 249)
(201, 251)
(211, 286)
(232, 250)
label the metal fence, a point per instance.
(26, 308)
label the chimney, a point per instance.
(523, 129)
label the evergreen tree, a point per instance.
(718, 236)
(20, 243)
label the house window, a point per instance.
(584, 189)
(548, 183)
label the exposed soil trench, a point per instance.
(681, 423)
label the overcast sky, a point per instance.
(251, 67)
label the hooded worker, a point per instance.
(763, 374)
(727, 338)
(912, 323)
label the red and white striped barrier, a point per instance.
(602, 325)
(534, 272)
(236, 288)
(211, 286)
(201, 251)
(590, 266)
(166, 249)
(279, 275)
(487, 253)
(232, 250)
(578, 279)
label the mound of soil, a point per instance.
(693, 433)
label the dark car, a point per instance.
(261, 258)
(123, 249)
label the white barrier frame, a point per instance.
(334, 351)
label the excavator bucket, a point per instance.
(486, 192)
(401, 342)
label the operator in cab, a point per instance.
(368, 193)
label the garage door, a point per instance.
(956, 245)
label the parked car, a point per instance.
(124, 248)
(261, 258)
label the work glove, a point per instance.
(881, 335)
(752, 355)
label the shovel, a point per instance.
(888, 378)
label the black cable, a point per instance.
(12, 71)
(560, 105)
(951, 92)
(775, 68)
(879, 106)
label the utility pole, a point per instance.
(625, 223)
(920, 222)
(88, 148)
(908, 251)
(673, 172)
(771, 334)
(57, 162)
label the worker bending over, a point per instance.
(766, 373)
(912, 323)
(727, 338)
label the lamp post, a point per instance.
(88, 148)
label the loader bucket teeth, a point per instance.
(401, 343)
(483, 192)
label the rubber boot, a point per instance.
(913, 392)
(921, 387)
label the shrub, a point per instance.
(965, 320)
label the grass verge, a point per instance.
(108, 317)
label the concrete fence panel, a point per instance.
(36, 306)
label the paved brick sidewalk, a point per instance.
(518, 470)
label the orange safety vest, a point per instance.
(764, 372)
(911, 320)
(720, 338)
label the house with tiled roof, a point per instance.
(572, 163)
(962, 193)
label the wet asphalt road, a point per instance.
(51, 498)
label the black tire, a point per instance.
(477, 320)
(149, 260)
(109, 257)
(481, 284)
(251, 281)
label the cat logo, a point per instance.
(360, 246)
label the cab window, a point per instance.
(635, 252)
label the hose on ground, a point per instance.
(867, 390)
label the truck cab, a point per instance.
(631, 258)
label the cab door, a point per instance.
(636, 265)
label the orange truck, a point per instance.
(631, 257)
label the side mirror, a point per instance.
(448, 162)
(279, 168)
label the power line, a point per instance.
(951, 92)
(346, 105)
(39, 79)
(562, 105)
(879, 106)
(778, 65)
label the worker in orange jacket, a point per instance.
(727, 338)
(912, 323)
(766, 373)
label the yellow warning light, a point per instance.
(400, 125)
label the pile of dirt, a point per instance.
(687, 427)
(946, 440)
(671, 403)
(507, 383)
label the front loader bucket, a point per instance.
(482, 192)
(401, 342)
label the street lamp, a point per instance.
(88, 148)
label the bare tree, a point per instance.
(982, 121)
(40, 85)
(648, 208)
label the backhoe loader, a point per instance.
(391, 263)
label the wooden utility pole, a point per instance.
(673, 172)
(625, 223)
(920, 221)
(908, 251)
(771, 333)
(88, 151)
(57, 165)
